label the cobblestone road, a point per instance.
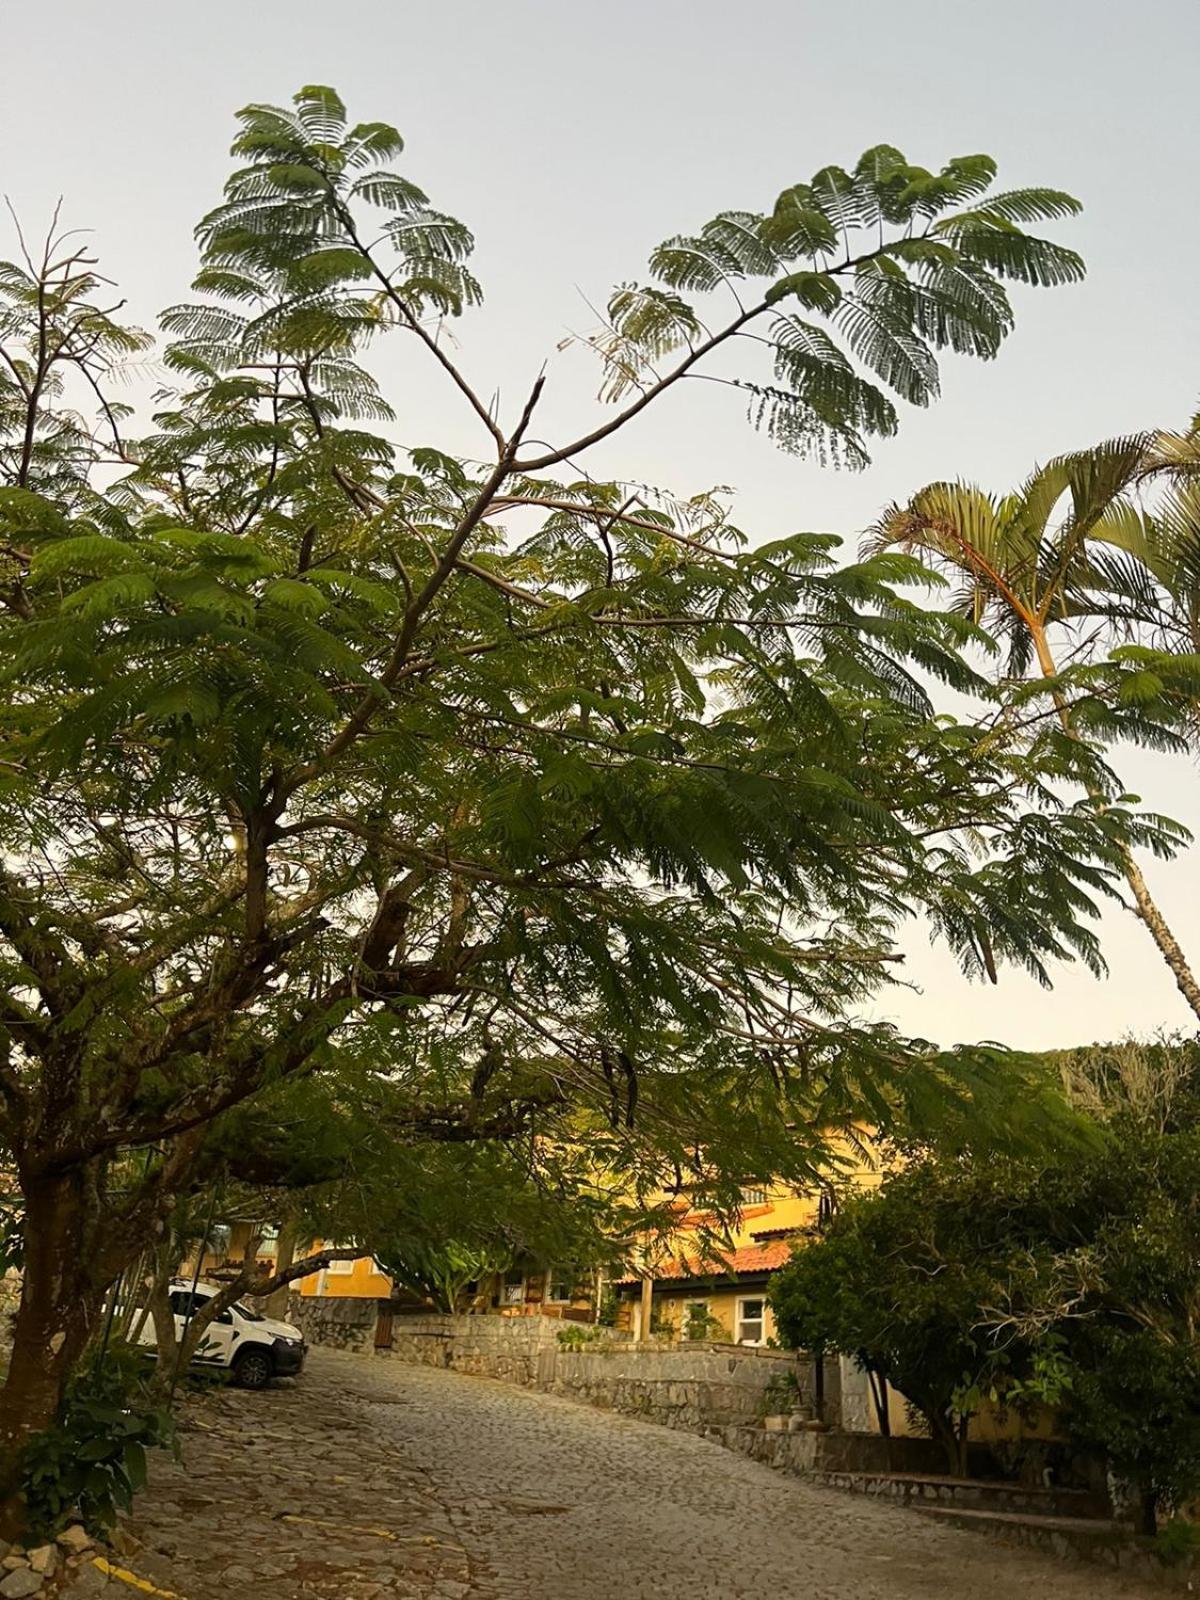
(370, 1479)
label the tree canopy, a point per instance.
(1067, 1280)
(500, 793)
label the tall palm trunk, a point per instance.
(1145, 906)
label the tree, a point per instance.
(900, 1281)
(1146, 567)
(1029, 566)
(493, 792)
(1069, 1281)
(497, 1218)
(1153, 1083)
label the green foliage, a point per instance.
(577, 1336)
(498, 803)
(441, 1218)
(699, 1324)
(609, 1308)
(884, 255)
(92, 1462)
(1071, 1283)
(900, 1281)
(1177, 1541)
(1127, 1294)
(782, 1394)
(1073, 542)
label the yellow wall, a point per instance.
(722, 1303)
(355, 1280)
(781, 1208)
(362, 1280)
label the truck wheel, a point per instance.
(253, 1369)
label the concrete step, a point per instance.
(969, 1494)
(964, 1516)
(1094, 1539)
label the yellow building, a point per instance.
(709, 1278)
(701, 1283)
(525, 1291)
(358, 1280)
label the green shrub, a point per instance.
(575, 1335)
(93, 1461)
(700, 1324)
(1176, 1541)
(782, 1394)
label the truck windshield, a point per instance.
(243, 1310)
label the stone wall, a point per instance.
(513, 1349)
(698, 1387)
(343, 1323)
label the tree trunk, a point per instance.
(158, 1307)
(285, 1254)
(1148, 1512)
(878, 1386)
(60, 1307)
(951, 1434)
(964, 1447)
(1160, 932)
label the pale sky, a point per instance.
(572, 138)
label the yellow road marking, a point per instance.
(132, 1579)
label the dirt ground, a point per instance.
(368, 1479)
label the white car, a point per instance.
(253, 1348)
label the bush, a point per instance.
(699, 1325)
(93, 1462)
(781, 1395)
(575, 1335)
(1177, 1541)
(1068, 1283)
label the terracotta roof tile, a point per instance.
(751, 1258)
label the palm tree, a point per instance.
(1148, 560)
(1046, 554)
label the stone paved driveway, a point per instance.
(370, 1479)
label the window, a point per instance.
(185, 1304)
(340, 1268)
(513, 1292)
(754, 1197)
(268, 1235)
(560, 1286)
(751, 1321)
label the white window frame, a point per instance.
(761, 1319)
(512, 1294)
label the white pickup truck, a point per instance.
(253, 1348)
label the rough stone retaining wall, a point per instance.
(345, 1324)
(698, 1387)
(514, 1349)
